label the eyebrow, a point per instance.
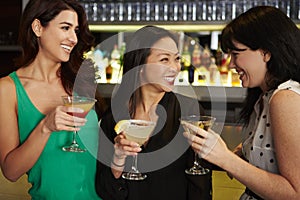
(68, 23)
(167, 54)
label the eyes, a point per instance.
(166, 59)
(67, 28)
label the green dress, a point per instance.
(57, 174)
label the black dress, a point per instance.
(164, 158)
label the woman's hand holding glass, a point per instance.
(208, 144)
(123, 148)
(59, 120)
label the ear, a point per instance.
(266, 55)
(37, 27)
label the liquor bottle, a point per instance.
(224, 70)
(115, 63)
(205, 57)
(214, 72)
(219, 55)
(108, 73)
(196, 56)
(183, 75)
(186, 57)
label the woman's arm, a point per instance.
(16, 159)
(112, 153)
(285, 113)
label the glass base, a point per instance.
(73, 148)
(134, 176)
(196, 171)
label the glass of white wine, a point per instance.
(137, 131)
(204, 122)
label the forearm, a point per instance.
(117, 165)
(265, 184)
(21, 159)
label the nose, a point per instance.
(73, 37)
(175, 65)
(231, 63)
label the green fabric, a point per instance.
(58, 174)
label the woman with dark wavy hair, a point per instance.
(264, 45)
(34, 125)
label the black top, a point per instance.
(164, 158)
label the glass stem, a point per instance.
(74, 138)
(134, 164)
(196, 161)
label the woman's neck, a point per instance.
(42, 70)
(148, 103)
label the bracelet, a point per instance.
(112, 162)
(119, 157)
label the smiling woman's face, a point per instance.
(251, 65)
(162, 65)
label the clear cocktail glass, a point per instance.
(84, 103)
(204, 122)
(138, 131)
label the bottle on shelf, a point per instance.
(219, 55)
(186, 56)
(224, 72)
(108, 73)
(235, 78)
(115, 64)
(214, 72)
(183, 75)
(196, 56)
(202, 74)
(205, 57)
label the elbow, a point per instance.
(10, 176)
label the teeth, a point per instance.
(170, 79)
(241, 73)
(66, 47)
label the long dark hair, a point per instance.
(135, 57)
(269, 29)
(45, 11)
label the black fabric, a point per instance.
(169, 182)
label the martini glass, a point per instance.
(204, 122)
(84, 103)
(138, 131)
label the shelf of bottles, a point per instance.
(188, 15)
(200, 67)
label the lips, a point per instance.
(241, 74)
(66, 47)
(170, 79)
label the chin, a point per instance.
(168, 88)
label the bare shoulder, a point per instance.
(286, 104)
(6, 84)
(7, 89)
(285, 98)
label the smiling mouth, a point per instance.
(169, 79)
(66, 47)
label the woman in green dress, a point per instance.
(34, 125)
